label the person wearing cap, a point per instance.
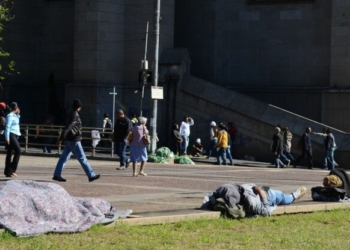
(197, 148)
(12, 132)
(72, 135)
(222, 145)
(213, 138)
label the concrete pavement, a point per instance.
(171, 192)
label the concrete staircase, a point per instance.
(254, 120)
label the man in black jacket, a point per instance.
(122, 127)
(72, 135)
(277, 147)
(306, 149)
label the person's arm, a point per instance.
(190, 121)
(104, 126)
(320, 134)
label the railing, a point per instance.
(32, 135)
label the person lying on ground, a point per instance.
(252, 199)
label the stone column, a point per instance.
(340, 44)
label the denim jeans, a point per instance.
(185, 140)
(328, 160)
(276, 197)
(120, 150)
(289, 156)
(278, 162)
(229, 155)
(211, 146)
(75, 148)
(221, 158)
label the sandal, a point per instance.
(134, 175)
(143, 174)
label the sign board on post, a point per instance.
(157, 92)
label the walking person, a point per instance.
(122, 127)
(287, 147)
(72, 136)
(277, 147)
(305, 145)
(329, 147)
(222, 145)
(138, 150)
(12, 132)
(177, 140)
(185, 133)
(213, 138)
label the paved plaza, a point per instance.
(169, 187)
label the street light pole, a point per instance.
(144, 70)
(155, 76)
(114, 94)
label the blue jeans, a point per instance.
(278, 162)
(120, 150)
(185, 140)
(276, 197)
(211, 146)
(229, 155)
(75, 148)
(221, 158)
(328, 160)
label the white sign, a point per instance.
(157, 92)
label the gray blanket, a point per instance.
(29, 208)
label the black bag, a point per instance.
(108, 123)
(327, 193)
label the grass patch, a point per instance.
(318, 230)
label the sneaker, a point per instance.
(299, 193)
(94, 178)
(288, 162)
(121, 168)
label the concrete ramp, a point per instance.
(254, 120)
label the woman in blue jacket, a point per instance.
(12, 132)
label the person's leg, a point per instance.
(183, 144)
(122, 153)
(289, 156)
(281, 198)
(309, 156)
(325, 160)
(17, 152)
(211, 147)
(142, 168)
(186, 140)
(134, 169)
(219, 157)
(283, 158)
(331, 160)
(228, 153)
(223, 155)
(8, 168)
(62, 160)
(78, 152)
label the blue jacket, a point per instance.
(12, 125)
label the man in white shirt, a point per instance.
(185, 133)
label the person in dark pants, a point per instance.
(122, 127)
(305, 144)
(12, 132)
(177, 139)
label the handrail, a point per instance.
(56, 130)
